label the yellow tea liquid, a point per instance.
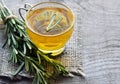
(55, 39)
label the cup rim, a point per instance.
(72, 24)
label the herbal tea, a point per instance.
(50, 28)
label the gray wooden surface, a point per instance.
(100, 28)
(97, 28)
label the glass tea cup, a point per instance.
(49, 26)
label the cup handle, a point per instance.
(26, 8)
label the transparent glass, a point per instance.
(49, 26)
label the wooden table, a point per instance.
(98, 26)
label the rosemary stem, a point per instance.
(51, 25)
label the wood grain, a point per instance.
(101, 41)
(96, 40)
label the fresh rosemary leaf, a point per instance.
(13, 57)
(22, 54)
(36, 63)
(20, 33)
(29, 46)
(19, 23)
(19, 69)
(27, 65)
(15, 51)
(38, 56)
(20, 27)
(5, 43)
(14, 30)
(35, 79)
(6, 30)
(9, 40)
(24, 48)
(40, 75)
(13, 39)
(6, 11)
(12, 20)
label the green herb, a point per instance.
(51, 25)
(25, 53)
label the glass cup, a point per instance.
(50, 26)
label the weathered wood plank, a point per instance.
(97, 28)
(100, 29)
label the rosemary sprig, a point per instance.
(25, 53)
(51, 25)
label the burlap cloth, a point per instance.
(95, 43)
(70, 58)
